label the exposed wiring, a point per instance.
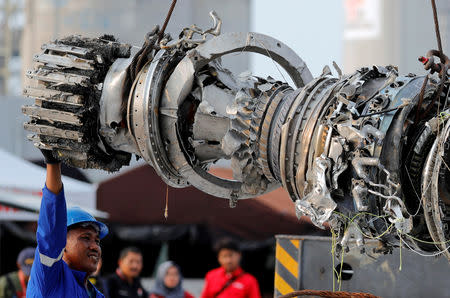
(426, 255)
(426, 242)
(270, 56)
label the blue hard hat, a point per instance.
(76, 215)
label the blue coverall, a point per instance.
(50, 275)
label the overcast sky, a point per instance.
(313, 29)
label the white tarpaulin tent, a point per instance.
(21, 184)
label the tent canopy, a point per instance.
(138, 197)
(21, 185)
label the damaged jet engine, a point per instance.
(365, 152)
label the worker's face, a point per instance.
(131, 265)
(83, 250)
(172, 278)
(229, 259)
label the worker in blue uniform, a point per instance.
(68, 243)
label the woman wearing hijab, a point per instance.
(169, 282)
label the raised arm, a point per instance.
(53, 180)
(52, 231)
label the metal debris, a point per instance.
(349, 150)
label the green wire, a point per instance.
(427, 242)
(340, 269)
(333, 247)
(351, 220)
(401, 262)
(382, 234)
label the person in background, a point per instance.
(169, 282)
(14, 284)
(229, 280)
(125, 282)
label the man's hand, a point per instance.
(48, 157)
(53, 181)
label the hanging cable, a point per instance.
(141, 58)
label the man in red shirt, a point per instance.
(229, 280)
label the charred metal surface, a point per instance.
(366, 152)
(69, 77)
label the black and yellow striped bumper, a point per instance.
(287, 266)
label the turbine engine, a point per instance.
(365, 152)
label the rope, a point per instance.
(143, 56)
(166, 21)
(328, 294)
(421, 95)
(166, 210)
(429, 63)
(138, 61)
(436, 25)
